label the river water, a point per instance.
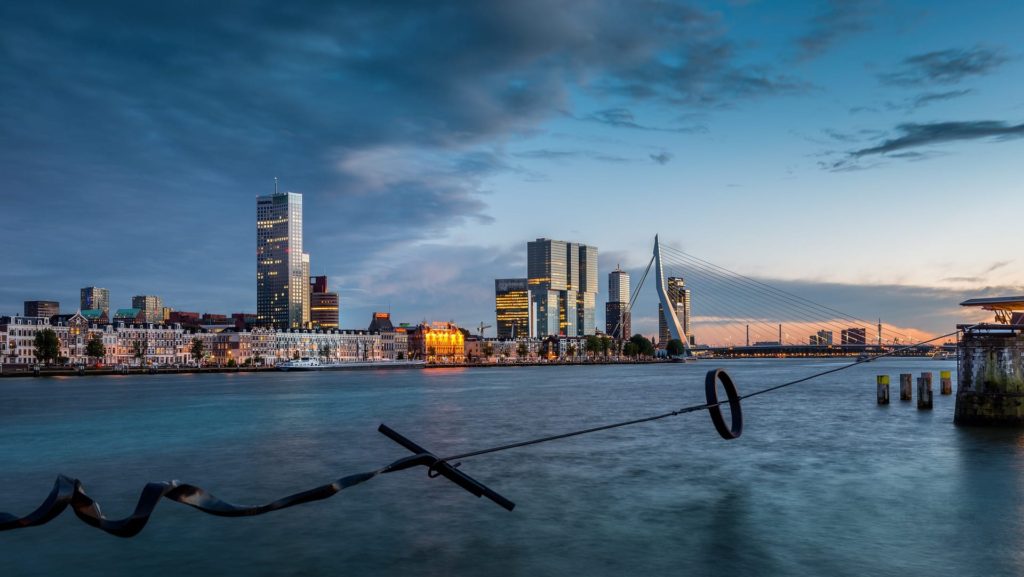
(822, 482)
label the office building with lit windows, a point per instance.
(562, 278)
(282, 281)
(95, 298)
(617, 316)
(323, 305)
(513, 308)
(679, 296)
(151, 306)
(42, 308)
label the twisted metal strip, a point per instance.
(70, 492)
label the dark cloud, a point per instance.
(839, 19)
(913, 136)
(922, 100)
(945, 66)
(661, 157)
(623, 118)
(918, 135)
(388, 115)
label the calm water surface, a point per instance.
(822, 482)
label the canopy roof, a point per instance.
(997, 303)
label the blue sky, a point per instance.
(864, 153)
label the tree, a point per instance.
(47, 346)
(630, 349)
(606, 345)
(94, 349)
(675, 348)
(138, 350)
(198, 350)
(522, 350)
(593, 344)
(295, 355)
(571, 351)
(325, 351)
(488, 350)
(642, 345)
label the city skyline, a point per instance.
(425, 169)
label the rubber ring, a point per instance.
(711, 393)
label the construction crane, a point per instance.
(482, 327)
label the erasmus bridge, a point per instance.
(715, 311)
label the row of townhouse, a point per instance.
(151, 344)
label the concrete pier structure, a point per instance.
(990, 359)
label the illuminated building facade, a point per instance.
(562, 279)
(617, 316)
(151, 306)
(513, 306)
(437, 343)
(306, 292)
(323, 305)
(95, 298)
(679, 296)
(281, 283)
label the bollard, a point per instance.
(906, 386)
(924, 393)
(946, 382)
(882, 381)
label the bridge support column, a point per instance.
(990, 379)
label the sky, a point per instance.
(865, 154)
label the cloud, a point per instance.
(981, 277)
(840, 18)
(389, 117)
(912, 136)
(623, 118)
(918, 135)
(562, 155)
(662, 157)
(922, 100)
(945, 66)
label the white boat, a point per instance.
(311, 364)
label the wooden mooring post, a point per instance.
(906, 386)
(924, 392)
(882, 382)
(946, 382)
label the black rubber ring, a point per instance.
(711, 393)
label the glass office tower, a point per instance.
(281, 281)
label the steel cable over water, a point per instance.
(69, 492)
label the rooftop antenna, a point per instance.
(275, 185)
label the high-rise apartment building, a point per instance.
(151, 306)
(42, 308)
(679, 297)
(323, 305)
(562, 278)
(853, 336)
(821, 338)
(281, 282)
(95, 298)
(617, 316)
(513, 308)
(306, 292)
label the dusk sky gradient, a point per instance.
(865, 154)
